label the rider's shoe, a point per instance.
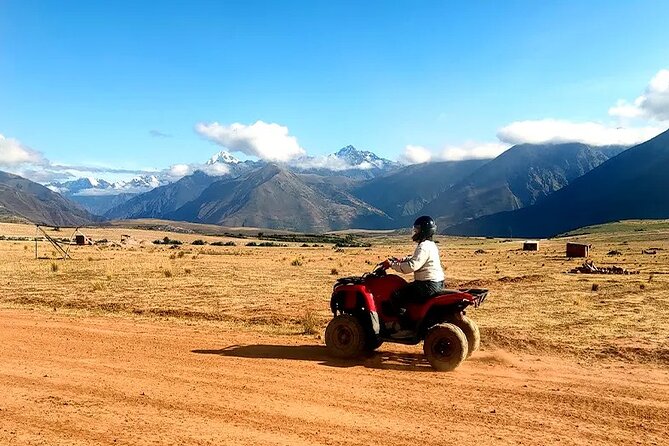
(403, 334)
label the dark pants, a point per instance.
(417, 291)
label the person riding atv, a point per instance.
(425, 264)
(364, 317)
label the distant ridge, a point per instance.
(632, 185)
(522, 176)
(273, 197)
(164, 199)
(407, 191)
(22, 199)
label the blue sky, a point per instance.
(97, 83)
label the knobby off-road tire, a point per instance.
(471, 331)
(345, 337)
(445, 347)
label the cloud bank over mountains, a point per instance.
(468, 150)
(13, 153)
(555, 131)
(640, 120)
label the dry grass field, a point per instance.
(140, 344)
(533, 306)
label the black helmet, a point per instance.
(424, 228)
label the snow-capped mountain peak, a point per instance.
(223, 157)
(95, 186)
(75, 186)
(144, 181)
(362, 159)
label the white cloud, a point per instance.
(416, 155)
(466, 151)
(13, 153)
(555, 131)
(653, 104)
(267, 141)
(216, 169)
(44, 175)
(179, 170)
(624, 109)
(321, 162)
(473, 150)
(329, 162)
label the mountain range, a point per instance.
(24, 200)
(98, 195)
(632, 185)
(284, 197)
(273, 197)
(519, 177)
(528, 191)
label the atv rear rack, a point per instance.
(478, 294)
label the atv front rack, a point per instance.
(478, 294)
(352, 280)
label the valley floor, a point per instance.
(105, 380)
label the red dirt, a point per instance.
(78, 381)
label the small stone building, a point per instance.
(578, 250)
(531, 245)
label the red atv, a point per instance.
(364, 318)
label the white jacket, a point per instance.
(424, 263)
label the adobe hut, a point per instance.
(578, 250)
(531, 245)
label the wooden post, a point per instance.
(55, 244)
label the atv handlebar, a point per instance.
(379, 270)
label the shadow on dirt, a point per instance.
(318, 353)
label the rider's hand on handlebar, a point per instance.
(386, 264)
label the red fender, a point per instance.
(418, 311)
(352, 298)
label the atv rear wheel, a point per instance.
(345, 336)
(445, 347)
(471, 331)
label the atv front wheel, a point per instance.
(471, 331)
(345, 336)
(445, 347)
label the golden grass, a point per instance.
(533, 304)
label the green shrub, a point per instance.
(167, 241)
(309, 322)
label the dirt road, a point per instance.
(110, 381)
